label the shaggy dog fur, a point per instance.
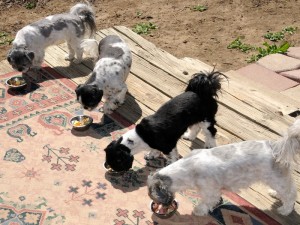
(232, 167)
(108, 77)
(29, 45)
(193, 109)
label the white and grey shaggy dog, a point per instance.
(108, 77)
(232, 167)
(189, 112)
(29, 45)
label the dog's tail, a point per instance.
(206, 83)
(90, 47)
(287, 149)
(86, 14)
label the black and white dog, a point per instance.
(190, 111)
(232, 167)
(29, 45)
(108, 77)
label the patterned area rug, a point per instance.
(51, 174)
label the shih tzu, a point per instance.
(29, 45)
(108, 77)
(232, 167)
(189, 112)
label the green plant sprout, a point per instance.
(144, 28)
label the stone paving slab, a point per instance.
(266, 77)
(279, 63)
(293, 74)
(294, 52)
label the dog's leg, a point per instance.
(286, 190)
(152, 154)
(173, 156)
(192, 132)
(209, 132)
(113, 102)
(71, 54)
(120, 97)
(210, 197)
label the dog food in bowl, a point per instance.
(164, 212)
(16, 82)
(81, 122)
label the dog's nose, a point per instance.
(20, 69)
(85, 107)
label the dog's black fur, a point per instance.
(162, 130)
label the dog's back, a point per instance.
(57, 28)
(197, 104)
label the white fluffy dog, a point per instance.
(108, 76)
(232, 167)
(29, 45)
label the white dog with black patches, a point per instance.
(108, 77)
(29, 45)
(232, 167)
(189, 112)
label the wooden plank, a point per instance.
(5, 67)
(293, 93)
(157, 57)
(258, 93)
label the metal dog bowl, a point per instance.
(111, 171)
(17, 82)
(81, 122)
(158, 209)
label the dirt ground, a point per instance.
(181, 31)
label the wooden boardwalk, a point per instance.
(246, 110)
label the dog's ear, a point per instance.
(77, 90)
(110, 145)
(30, 55)
(9, 56)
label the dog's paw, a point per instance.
(200, 210)
(283, 210)
(273, 193)
(77, 61)
(69, 57)
(153, 154)
(187, 136)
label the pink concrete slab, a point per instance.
(266, 77)
(293, 74)
(294, 52)
(279, 62)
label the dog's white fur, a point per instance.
(36, 37)
(233, 167)
(110, 72)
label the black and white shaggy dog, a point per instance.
(28, 49)
(232, 167)
(190, 111)
(108, 77)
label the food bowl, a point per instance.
(110, 170)
(81, 123)
(164, 212)
(17, 82)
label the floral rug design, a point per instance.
(51, 174)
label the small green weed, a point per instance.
(144, 28)
(290, 30)
(200, 8)
(139, 14)
(269, 49)
(277, 36)
(5, 39)
(30, 5)
(237, 44)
